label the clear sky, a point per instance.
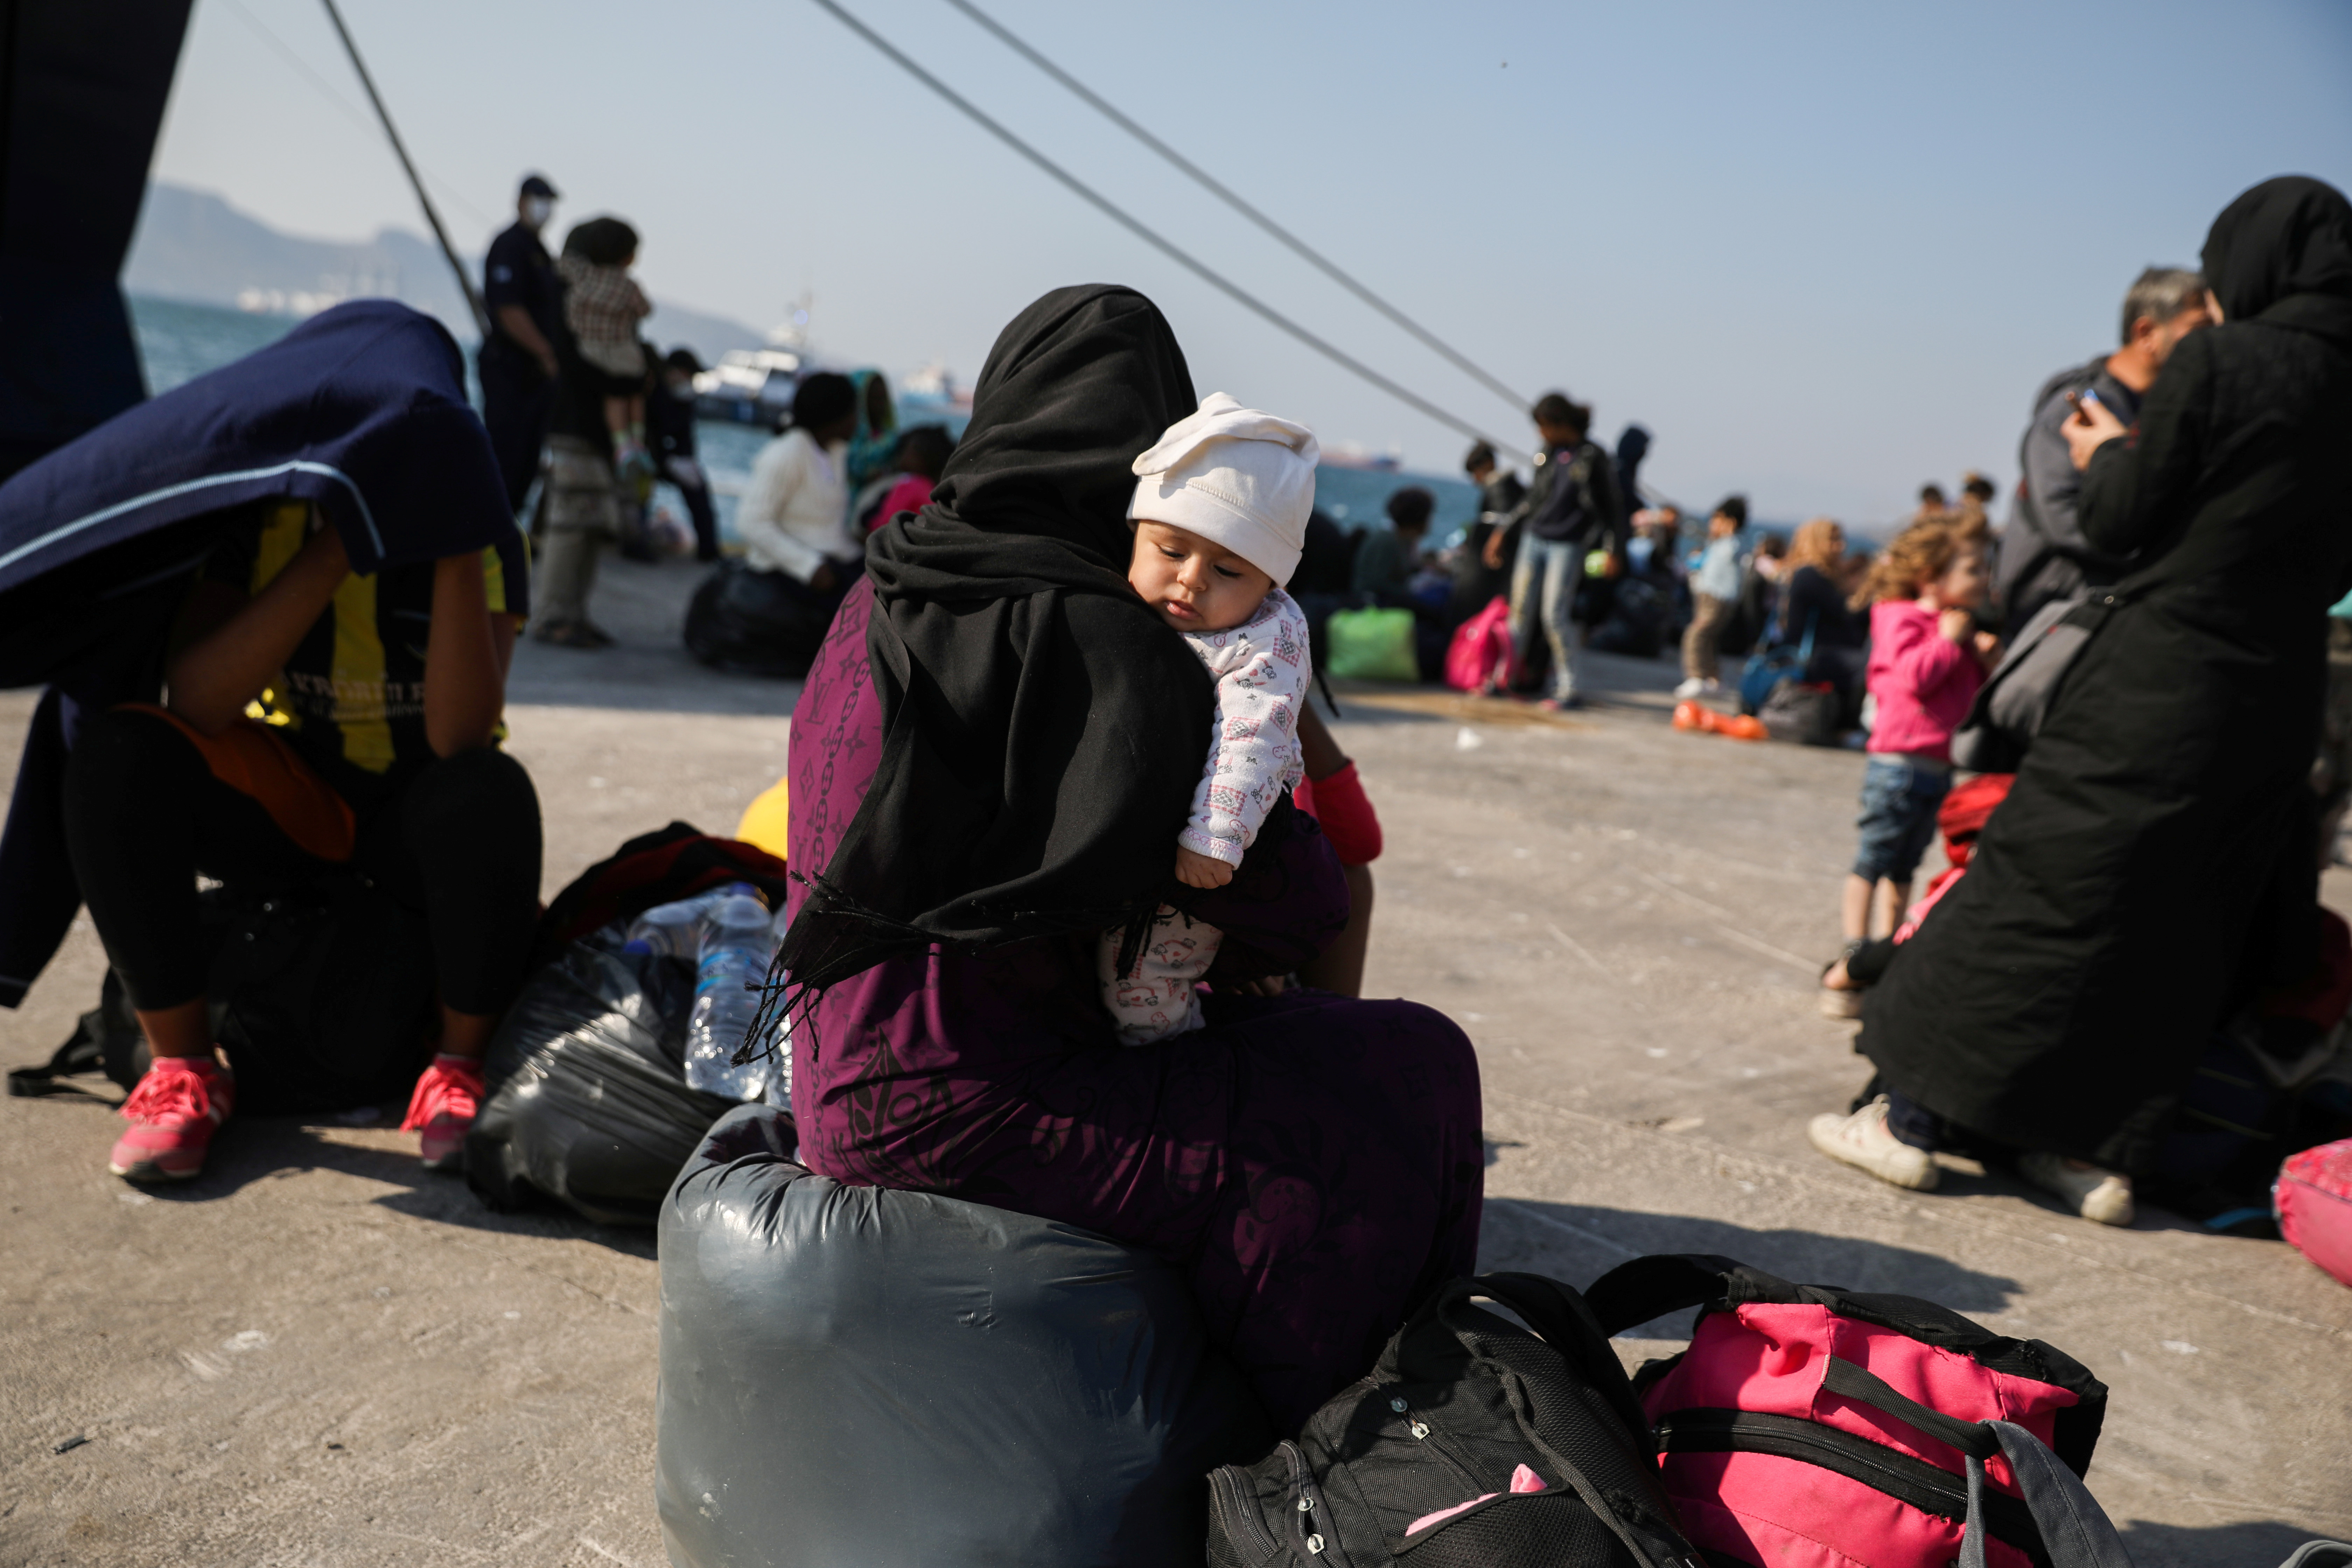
(1825, 252)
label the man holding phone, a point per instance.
(2042, 553)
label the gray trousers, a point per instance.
(583, 512)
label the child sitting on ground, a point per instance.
(1220, 515)
(921, 456)
(1927, 660)
(603, 305)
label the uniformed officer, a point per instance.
(518, 362)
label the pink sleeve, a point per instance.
(1925, 660)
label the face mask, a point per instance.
(536, 211)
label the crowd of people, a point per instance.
(1084, 632)
(579, 403)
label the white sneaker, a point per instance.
(1713, 686)
(1694, 686)
(1863, 1141)
(2095, 1194)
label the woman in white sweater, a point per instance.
(794, 517)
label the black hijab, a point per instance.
(2286, 237)
(1042, 730)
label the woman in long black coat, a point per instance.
(2122, 898)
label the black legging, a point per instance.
(460, 844)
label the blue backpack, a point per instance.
(1774, 663)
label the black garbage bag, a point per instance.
(901, 1380)
(589, 1103)
(1635, 620)
(757, 623)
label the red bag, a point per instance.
(2315, 1205)
(1809, 1427)
(1479, 657)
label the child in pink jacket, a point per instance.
(1927, 660)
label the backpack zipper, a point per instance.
(1302, 1484)
(1440, 1444)
(1239, 1508)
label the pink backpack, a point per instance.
(1479, 657)
(1808, 1426)
(2314, 1196)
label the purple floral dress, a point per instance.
(1315, 1160)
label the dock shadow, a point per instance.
(266, 1148)
(1577, 1243)
(2245, 1543)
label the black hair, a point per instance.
(822, 398)
(683, 359)
(924, 450)
(1979, 486)
(1734, 507)
(1481, 456)
(1558, 408)
(603, 241)
(1931, 492)
(1409, 508)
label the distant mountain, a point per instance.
(194, 246)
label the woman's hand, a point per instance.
(2093, 424)
(229, 663)
(1988, 648)
(1492, 552)
(1272, 985)
(1955, 625)
(465, 671)
(1198, 870)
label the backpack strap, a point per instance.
(1562, 1320)
(1974, 1439)
(1656, 1543)
(1634, 1293)
(80, 1054)
(2075, 1531)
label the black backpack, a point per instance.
(322, 999)
(1505, 1450)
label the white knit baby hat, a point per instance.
(1237, 475)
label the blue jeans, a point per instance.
(1543, 592)
(1899, 800)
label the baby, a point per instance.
(1219, 513)
(603, 306)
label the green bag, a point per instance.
(1372, 645)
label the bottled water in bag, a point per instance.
(736, 948)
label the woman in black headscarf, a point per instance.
(995, 746)
(2153, 863)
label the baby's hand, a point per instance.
(1195, 870)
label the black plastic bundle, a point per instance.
(589, 1102)
(756, 623)
(901, 1380)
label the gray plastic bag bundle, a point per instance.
(589, 1103)
(855, 1375)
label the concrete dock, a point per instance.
(318, 1354)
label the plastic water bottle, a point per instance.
(779, 1074)
(675, 930)
(735, 950)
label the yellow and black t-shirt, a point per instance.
(351, 698)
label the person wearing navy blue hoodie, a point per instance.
(312, 550)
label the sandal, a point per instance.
(571, 634)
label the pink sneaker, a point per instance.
(443, 1108)
(172, 1115)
